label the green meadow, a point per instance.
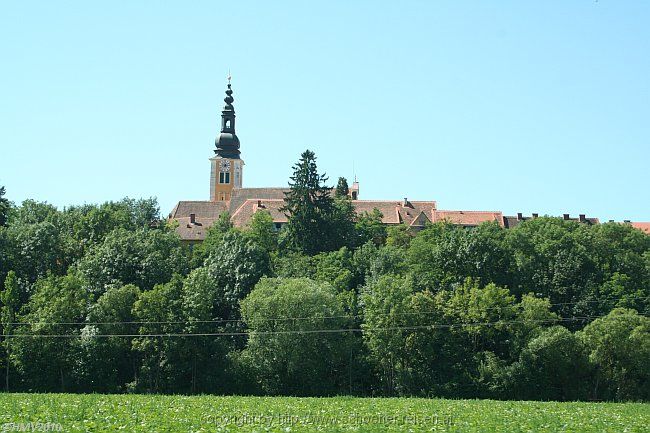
(160, 413)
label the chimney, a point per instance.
(406, 202)
(520, 216)
(566, 217)
(259, 203)
(535, 215)
(582, 218)
(192, 218)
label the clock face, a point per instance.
(225, 166)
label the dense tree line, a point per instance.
(106, 298)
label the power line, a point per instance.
(279, 319)
(312, 331)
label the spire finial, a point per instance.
(229, 99)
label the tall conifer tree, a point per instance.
(308, 206)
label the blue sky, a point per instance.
(513, 106)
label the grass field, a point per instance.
(145, 413)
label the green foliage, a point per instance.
(399, 236)
(163, 365)
(342, 188)
(386, 303)
(9, 303)
(31, 212)
(296, 363)
(212, 241)
(619, 349)
(370, 228)
(451, 343)
(553, 366)
(174, 413)
(447, 311)
(316, 222)
(202, 303)
(38, 248)
(47, 363)
(5, 205)
(443, 254)
(143, 257)
(341, 230)
(235, 267)
(372, 262)
(262, 231)
(107, 364)
(91, 224)
(294, 265)
(335, 268)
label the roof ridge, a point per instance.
(471, 211)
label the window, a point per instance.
(224, 177)
(227, 123)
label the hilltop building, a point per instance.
(228, 194)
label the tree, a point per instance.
(370, 228)
(90, 224)
(202, 306)
(551, 257)
(309, 207)
(335, 268)
(223, 224)
(399, 236)
(294, 265)
(288, 356)
(385, 303)
(6, 253)
(619, 349)
(429, 343)
(143, 257)
(235, 267)
(443, 254)
(46, 363)
(553, 366)
(213, 239)
(262, 231)
(164, 362)
(341, 230)
(342, 189)
(10, 300)
(107, 364)
(38, 248)
(5, 205)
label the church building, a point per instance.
(227, 193)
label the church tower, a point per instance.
(226, 166)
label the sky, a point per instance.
(501, 106)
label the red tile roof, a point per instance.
(243, 215)
(466, 217)
(245, 203)
(414, 213)
(645, 227)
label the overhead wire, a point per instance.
(431, 326)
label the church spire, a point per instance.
(227, 142)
